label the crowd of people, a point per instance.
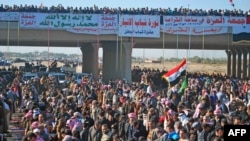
(144, 110)
(133, 11)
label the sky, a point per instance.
(148, 53)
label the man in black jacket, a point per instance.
(85, 132)
(95, 132)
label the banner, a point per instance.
(58, 20)
(108, 24)
(184, 30)
(129, 25)
(203, 21)
(9, 16)
(139, 26)
(108, 21)
(76, 23)
(92, 31)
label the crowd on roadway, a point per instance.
(133, 11)
(144, 110)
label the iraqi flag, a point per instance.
(173, 75)
(232, 3)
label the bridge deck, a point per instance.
(60, 38)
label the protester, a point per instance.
(181, 11)
(118, 110)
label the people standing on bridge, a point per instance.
(133, 11)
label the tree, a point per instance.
(160, 59)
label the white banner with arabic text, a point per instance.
(76, 23)
(139, 26)
(9, 16)
(171, 21)
(108, 24)
(91, 31)
(184, 30)
(58, 20)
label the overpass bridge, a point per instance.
(237, 47)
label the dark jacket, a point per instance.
(94, 135)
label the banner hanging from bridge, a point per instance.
(185, 30)
(204, 25)
(203, 21)
(77, 23)
(139, 26)
(107, 24)
(9, 16)
(129, 25)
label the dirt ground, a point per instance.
(191, 67)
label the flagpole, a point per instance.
(189, 43)
(77, 47)
(163, 46)
(18, 33)
(187, 49)
(187, 53)
(117, 47)
(132, 39)
(143, 56)
(188, 39)
(132, 45)
(177, 44)
(97, 42)
(228, 38)
(121, 42)
(203, 43)
(8, 39)
(48, 44)
(121, 54)
(232, 36)
(97, 45)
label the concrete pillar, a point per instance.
(229, 65)
(110, 60)
(117, 67)
(234, 62)
(127, 60)
(244, 73)
(90, 59)
(239, 61)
